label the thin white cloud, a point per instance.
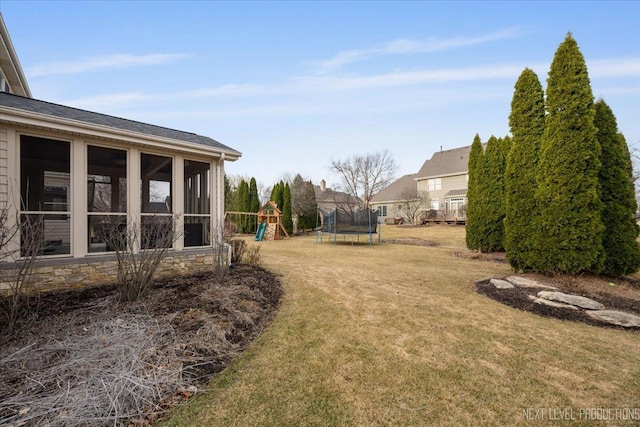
(323, 87)
(405, 46)
(99, 63)
(616, 67)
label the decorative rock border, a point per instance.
(552, 297)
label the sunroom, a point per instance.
(78, 172)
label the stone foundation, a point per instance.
(59, 274)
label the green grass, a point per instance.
(396, 335)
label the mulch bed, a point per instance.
(190, 328)
(519, 298)
(412, 241)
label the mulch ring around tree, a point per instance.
(412, 241)
(84, 358)
(621, 295)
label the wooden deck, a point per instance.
(445, 220)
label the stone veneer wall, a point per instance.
(56, 274)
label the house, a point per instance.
(78, 170)
(444, 177)
(390, 202)
(328, 199)
(440, 185)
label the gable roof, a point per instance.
(10, 64)
(273, 205)
(447, 162)
(393, 192)
(19, 104)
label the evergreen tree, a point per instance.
(527, 125)
(474, 208)
(287, 219)
(243, 205)
(303, 203)
(253, 204)
(280, 195)
(618, 196)
(310, 215)
(229, 195)
(491, 233)
(569, 230)
(274, 193)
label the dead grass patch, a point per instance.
(394, 334)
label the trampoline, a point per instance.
(348, 223)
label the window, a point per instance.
(434, 184)
(382, 210)
(45, 183)
(197, 203)
(156, 175)
(435, 204)
(106, 198)
(455, 206)
(4, 84)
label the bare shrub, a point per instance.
(252, 255)
(101, 373)
(21, 241)
(139, 249)
(221, 250)
(237, 250)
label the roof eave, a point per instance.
(14, 73)
(15, 115)
(420, 178)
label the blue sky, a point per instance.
(293, 85)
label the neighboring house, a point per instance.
(442, 179)
(80, 170)
(328, 199)
(445, 177)
(391, 200)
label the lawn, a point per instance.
(395, 334)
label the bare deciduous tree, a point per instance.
(634, 152)
(413, 202)
(363, 176)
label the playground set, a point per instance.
(352, 223)
(269, 221)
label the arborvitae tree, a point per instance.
(569, 229)
(491, 192)
(303, 203)
(287, 220)
(275, 196)
(474, 203)
(254, 203)
(527, 125)
(618, 196)
(243, 205)
(229, 195)
(280, 195)
(310, 215)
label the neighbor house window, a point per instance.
(434, 184)
(106, 198)
(156, 174)
(45, 190)
(435, 204)
(197, 203)
(455, 205)
(382, 210)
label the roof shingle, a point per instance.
(64, 112)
